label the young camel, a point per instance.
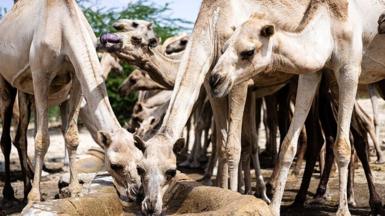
(264, 43)
(138, 81)
(62, 62)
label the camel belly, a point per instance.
(58, 90)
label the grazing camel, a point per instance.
(53, 57)
(264, 43)
(215, 24)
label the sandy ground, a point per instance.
(55, 156)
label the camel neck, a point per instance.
(306, 50)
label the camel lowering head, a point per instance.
(133, 32)
(246, 53)
(132, 81)
(119, 147)
(156, 169)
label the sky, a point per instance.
(185, 9)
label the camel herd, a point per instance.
(200, 90)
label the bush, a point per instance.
(101, 21)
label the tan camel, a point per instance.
(61, 62)
(278, 46)
(139, 81)
(159, 66)
(214, 26)
(175, 45)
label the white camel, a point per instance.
(265, 42)
(47, 49)
(215, 24)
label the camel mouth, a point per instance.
(220, 86)
(109, 42)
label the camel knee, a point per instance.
(342, 151)
(41, 143)
(72, 137)
(288, 151)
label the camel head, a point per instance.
(246, 53)
(132, 81)
(157, 169)
(176, 44)
(119, 148)
(130, 33)
(381, 24)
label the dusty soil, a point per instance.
(55, 156)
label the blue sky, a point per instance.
(186, 9)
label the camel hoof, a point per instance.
(9, 203)
(185, 164)
(377, 210)
(8, 193)
(352, 203)
(343, 212)
(318, 201)
(380, 161)
(34, 196)
(195, 165)
(206, 181)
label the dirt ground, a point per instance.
(55, 159)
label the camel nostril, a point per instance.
(215, 80)
(136, 40)
(153, 42)
(110, 38)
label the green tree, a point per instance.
(101, 21)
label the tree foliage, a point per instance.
(101, 21)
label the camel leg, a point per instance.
(307, 87)
(206, 179)
(301, 152)
(25, 103)
(69, 113)
(220, 113)
(374, 198)
(315, 138)
(350, 189)
(237, 101)
(271, 128)
(367, 125)
(347, 79)
(41, 82)
(374, 98)
(7, 97)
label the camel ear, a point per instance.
(104, 138)
(139, 143)
(267, 31)
(178, 146)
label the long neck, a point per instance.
(82, 54)
(307, 50)
(195, 64)
(166, 66)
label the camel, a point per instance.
(176, 45)
(62, 62)
(138, 81)
(215, 24)
(161, 68)
(269, 49)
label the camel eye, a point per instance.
(170, 173)
(135, 24)
(117, 167)
(183, 42)
(247, 54)
(140, 170)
